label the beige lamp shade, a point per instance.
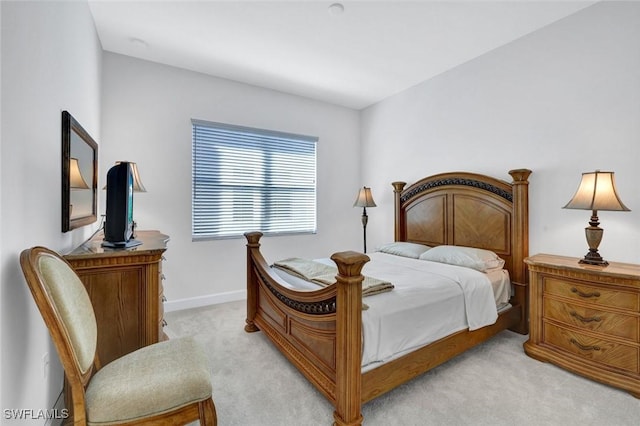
(364, 199)
(76, 181)
(138, 186)
(597, 191)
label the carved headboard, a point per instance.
(468, 209)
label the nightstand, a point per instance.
(586, 318)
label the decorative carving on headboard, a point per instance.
(457, 181)
(313, 308)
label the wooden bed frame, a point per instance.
(320, 331)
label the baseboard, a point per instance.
(210, 299)
(58, 415)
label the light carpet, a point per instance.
(492, 384)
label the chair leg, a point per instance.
(208, 415)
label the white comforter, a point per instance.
(430, 301)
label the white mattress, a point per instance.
(430, 301)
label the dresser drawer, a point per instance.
(601, 351)
(597, 295)
(590, 318)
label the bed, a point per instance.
(321, 331)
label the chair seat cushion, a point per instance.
(152, 380)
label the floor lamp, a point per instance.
(364, 200)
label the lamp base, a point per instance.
(593, 258)
(594, 236)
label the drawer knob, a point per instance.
(583, 347)
(164, 323)
(583, 319)
(583, 294)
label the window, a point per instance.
(251, 180)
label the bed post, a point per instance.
(349, 338)
(399, 218)
(520, 244)
(253, 242)
(520, 223)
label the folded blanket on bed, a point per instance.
(325, 275)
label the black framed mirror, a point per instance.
(79, 175)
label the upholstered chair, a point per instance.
(166, 383)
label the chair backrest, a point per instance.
(67, 311)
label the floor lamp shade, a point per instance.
(597, 191)
(364, 200)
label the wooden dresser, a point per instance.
(125, 287)
(586, 318)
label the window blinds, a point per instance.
(248, 179)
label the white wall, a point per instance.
(51, 61)
(147, 112)
(560, 101)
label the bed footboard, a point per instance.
(320, 332)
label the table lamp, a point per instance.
(597, 191)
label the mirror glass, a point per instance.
(79, 175)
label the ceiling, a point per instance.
(370, 51)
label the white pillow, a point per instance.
(469, 257)
(405, 249)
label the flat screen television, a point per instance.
(118, 226)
